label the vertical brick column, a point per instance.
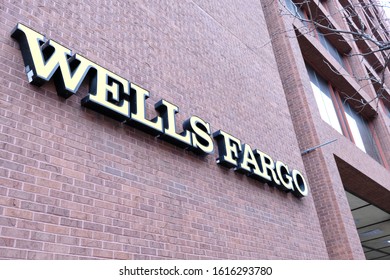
(340, 237)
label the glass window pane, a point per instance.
(330, 48)
(368, 139)
(331, 111)
(301, 14)
(335, 53)
(322, 39)
(290, 5)
(295, 9)
(361, 132)
(355, 130)
(323, 99)
(312, 74)
(320, 103)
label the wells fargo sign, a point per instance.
(125, 101)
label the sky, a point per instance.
(386, 4)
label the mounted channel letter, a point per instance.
(168, 111)
(300, 186)
(284, 177)
(229, 148)
(138, 97)
(202, 143)
(267, 167)
(44, 59)
(247, 163)
(109, 94)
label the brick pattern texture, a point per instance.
(336, 167)
(77, 185)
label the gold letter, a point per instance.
(201, 140)
(284, 176)
(44, 58)
(138, 112)
(301, 188)
(228, 148)
(109, 95)
(247, 162)
(168, 111)
(267, 168)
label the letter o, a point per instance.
(300, 186)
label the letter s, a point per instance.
(202, 143)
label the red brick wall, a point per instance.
(326, 177)
(74, 184)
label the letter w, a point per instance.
(44, 59)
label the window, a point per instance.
(342, 117)
(353, 17)
(298, 12)
(295, 9)
(330, 48)
(361, 132)
(323, 98)
(387, 110)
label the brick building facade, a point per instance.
(78, 184)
